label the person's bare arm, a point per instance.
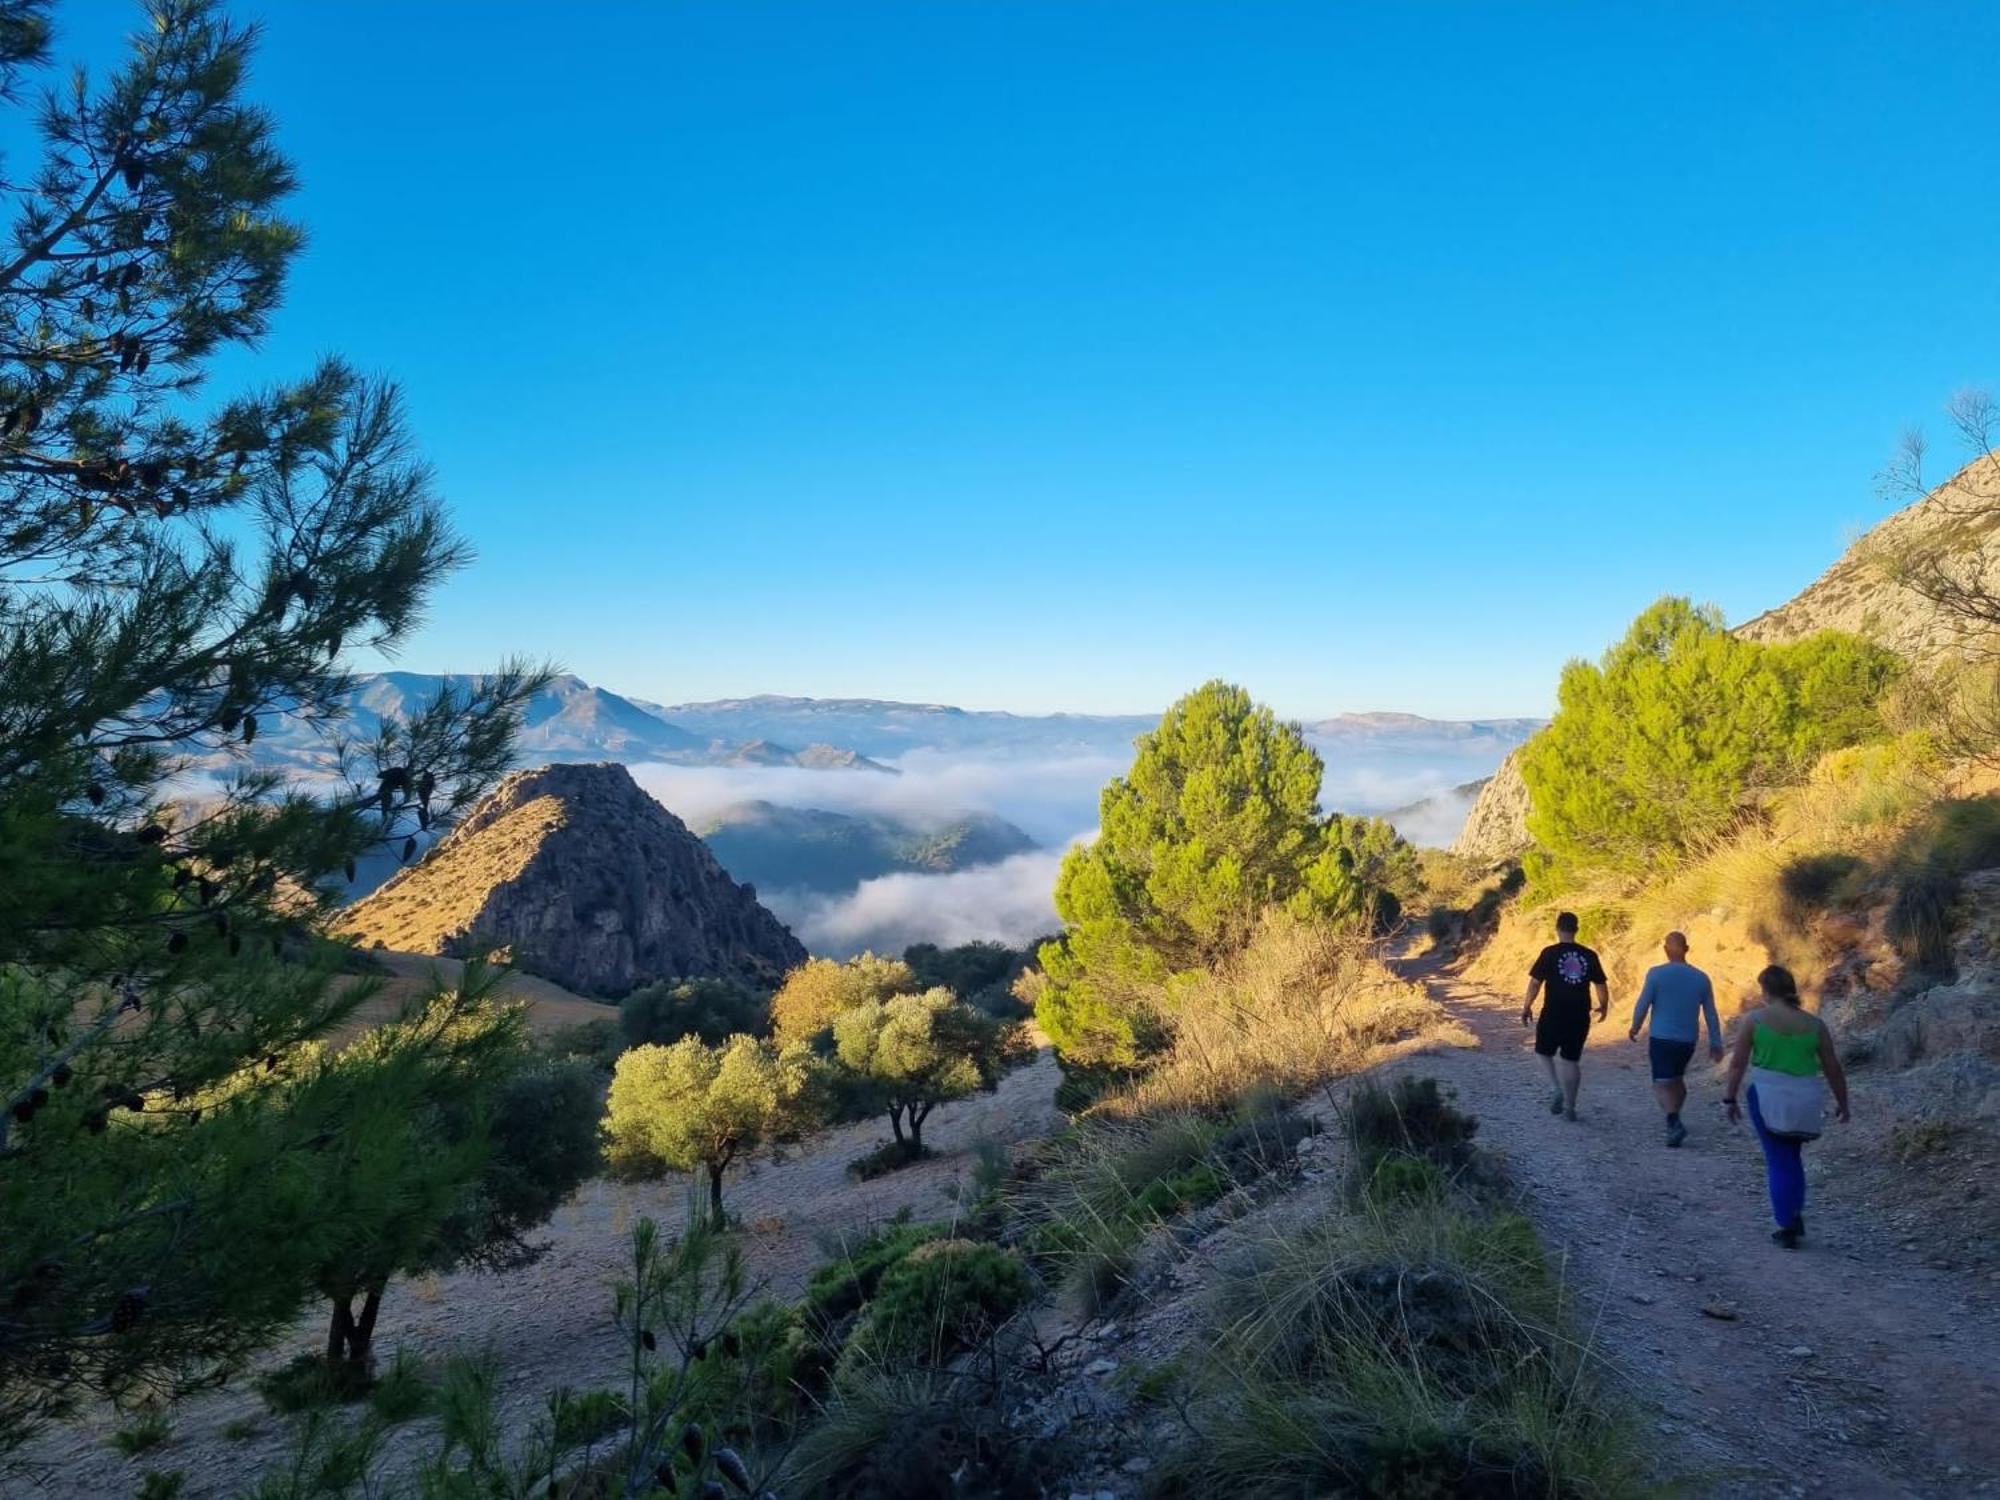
(1528, 1004)
(1603, 999)
(1739, 1064)
(1836, 1075)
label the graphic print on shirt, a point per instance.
(1572, 967)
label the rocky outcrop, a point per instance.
(1497, 826)
(585, 880)
(1958, 521)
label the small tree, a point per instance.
(820, 989)
(408, 1175)
(1217, 821)
(712, 1009)
(911, 1053)
(693, 1108)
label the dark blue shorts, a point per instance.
(1670, 1059)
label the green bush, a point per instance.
(1399, 1177)
(143, 1434)
(942, 1298)
(1922, 917)
(596, 1042)
(890, 1156)
(1661, 745)
(1412, 1117)
(712, 1009)
(311, 1383)
(161, 1484)
(920, 1436)
(577, 1418)
(839, 1288)
(1813, 882)
(401, 1393)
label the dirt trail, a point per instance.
(1851, 1368)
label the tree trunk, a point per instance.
(896, 1121)
(917, 1114)
(350, 1336)
(715, 1193)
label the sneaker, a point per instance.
(1570, 1115)
(1799, 1227)
(1787, 1238)
(1676, 1133)
(1556, 1103)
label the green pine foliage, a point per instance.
(176, 574)
(1217, 822)
(1679, 729)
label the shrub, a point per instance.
(942, 1298)
(402, 1393)
(1922, 917)
(142, 1434)
(577, 1418)
(919, 1436)
(711, 1009)
(161, 1484)
(982, 974)
(310, 1383)
(596, 1043)
(838, 1289)
(1414, 1347)
(890, 1156)
(1411, 1117)
(1814, 881)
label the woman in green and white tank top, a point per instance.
(1789, 1055)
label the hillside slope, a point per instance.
(1959, 520)
(587, 881)
(812, 849)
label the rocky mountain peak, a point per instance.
(585, 880)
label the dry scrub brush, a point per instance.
(1303, 1003)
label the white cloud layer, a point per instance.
(1008, 902)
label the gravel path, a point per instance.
(1851, 1368)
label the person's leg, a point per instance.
(1569, 1077)
(1784, 1175)
(1546, 1042)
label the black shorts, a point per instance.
(1561, 1031)
(1670, 1059)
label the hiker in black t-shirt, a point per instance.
(1564, 975)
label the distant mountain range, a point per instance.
(827, 853)
(571, 720)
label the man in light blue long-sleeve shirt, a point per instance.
(1678, 995)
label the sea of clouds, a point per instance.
(1053, 800)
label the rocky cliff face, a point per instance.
(586, 881)
(1497, 826)
(1958, 521)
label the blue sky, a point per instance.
(1059, 356)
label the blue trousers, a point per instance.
(1784, 1168)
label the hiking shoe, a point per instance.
(1556, 1104)
(1786, 1238)
(1676, 1133)
(1799, 1227)
(1570, 1115)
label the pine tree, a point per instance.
(174, 577)
(1216, 823)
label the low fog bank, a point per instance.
(1048, 799)
(1436, 822)
(1009, 902)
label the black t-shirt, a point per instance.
(1567, 971)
